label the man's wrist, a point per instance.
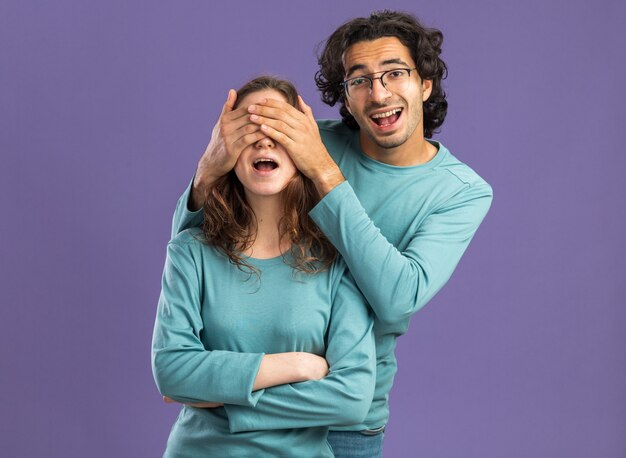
(328, 180)
(199, 190)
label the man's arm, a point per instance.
(343, 397)
(186, 372)
(397, 284)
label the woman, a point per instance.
(252, 308)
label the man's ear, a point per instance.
(427, 89)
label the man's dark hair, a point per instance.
(423, 43)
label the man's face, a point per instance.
(388, 119)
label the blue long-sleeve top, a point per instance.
(215, 322)
(401, 231)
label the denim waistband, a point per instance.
(373, 432)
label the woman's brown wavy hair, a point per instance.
(230, 223)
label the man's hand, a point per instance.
(297, 131)
(200, 405)
(232, 133)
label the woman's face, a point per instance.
(264, 168)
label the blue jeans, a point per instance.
(356, 444)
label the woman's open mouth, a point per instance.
(265, 165)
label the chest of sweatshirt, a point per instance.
(397, 199)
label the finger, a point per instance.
(231, 98)
(275, 109)
(168, 400)
(285, 113)
(205, 405)
(278, 125)
(244, 130)
(236, 128)
(238, 113)
(275, 103)
(243, 110)
(230, 117)
(305, 109)
(232, 122)
(278, 137)
(250, 139)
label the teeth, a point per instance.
(386, 113)
(263, 160)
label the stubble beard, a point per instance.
(399, 138)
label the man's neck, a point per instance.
(415, 151)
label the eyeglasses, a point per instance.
(392, 80)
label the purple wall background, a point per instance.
(105, 109)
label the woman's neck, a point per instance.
(268, 211)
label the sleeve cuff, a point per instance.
(325, 212)
(238, 387)
(186, 196)
(239, 417)
(183, 217)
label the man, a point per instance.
(399, 208)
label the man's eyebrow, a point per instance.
(394, 61)
(356, 67)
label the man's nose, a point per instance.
(265, 142)
(379, 92)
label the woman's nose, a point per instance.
(265, 142)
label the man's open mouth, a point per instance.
(386, 118)
(264, 165)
